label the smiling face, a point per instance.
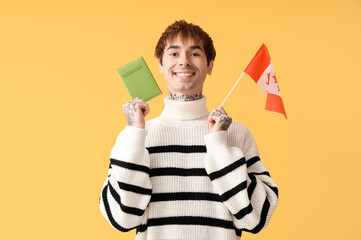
(185, 66)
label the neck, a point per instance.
(185, 97)
(190, 110)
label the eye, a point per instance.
(173, 54)
(195, 54)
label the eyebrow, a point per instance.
(178, 47)
(196, 47)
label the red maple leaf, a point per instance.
(274, 77)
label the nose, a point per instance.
(184, 60)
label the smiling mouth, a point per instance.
(184, 74)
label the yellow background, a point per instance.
(61, 101)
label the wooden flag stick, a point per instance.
(232, 89)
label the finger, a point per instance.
(140, 105)
(146, 110)
(216, 114)
(211, 121)
(140, 101)
(210, 117)
(221, 109)
(136, 100)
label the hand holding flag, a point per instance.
(260, 69)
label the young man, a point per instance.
(187, 174)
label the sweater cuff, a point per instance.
(135, 136)
(216, 140)
(219, 153)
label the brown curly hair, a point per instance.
(185, 30)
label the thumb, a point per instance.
(211, 121)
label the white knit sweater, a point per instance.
(173, 180)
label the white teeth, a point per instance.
(184, 74)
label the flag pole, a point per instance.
(232, 89)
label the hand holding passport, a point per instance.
(138, 80)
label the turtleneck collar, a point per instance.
(185, 110)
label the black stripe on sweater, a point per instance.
(274, 189)
(228, 169)
(177, 148)
(244, 211)
(126, 209)
(184, 172)
(262, 222)
(251, 186)
(135, 189)
(159, 197)
(129, 165)
(188, 220)
(109, 213)
(252, 161)
(261, 173)
(227, 195)
(253, 179)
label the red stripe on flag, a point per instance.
(274, 103)
(259, 63)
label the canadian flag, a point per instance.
(260, 69)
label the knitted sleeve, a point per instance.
(127, 190)
(242, 181)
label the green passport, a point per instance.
(138, 80)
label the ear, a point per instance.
(210, 67)
(160, 68)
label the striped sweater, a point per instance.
(173, 180)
